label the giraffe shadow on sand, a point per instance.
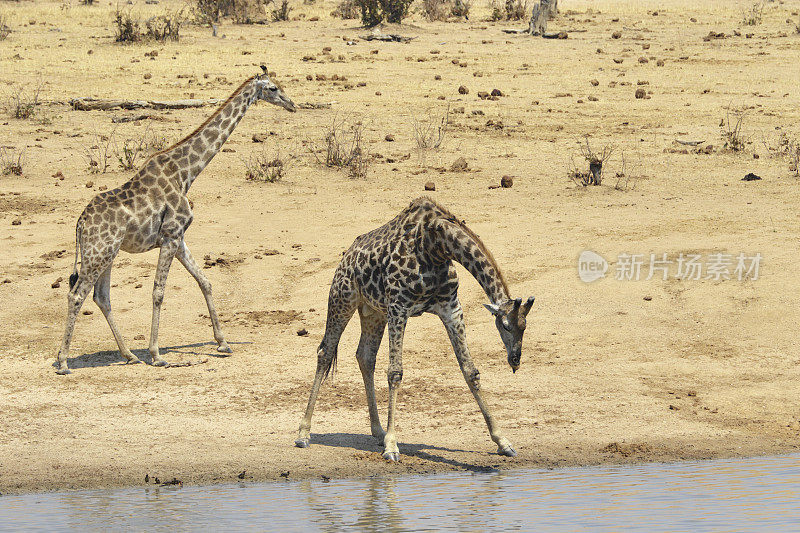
(368, 443)
(113, 357)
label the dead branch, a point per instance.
(93, 104)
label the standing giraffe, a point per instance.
(152, 211)
(403, 269)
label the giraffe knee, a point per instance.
(158, 296)
(475, 378)
(395, 377)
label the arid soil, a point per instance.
(613, 371)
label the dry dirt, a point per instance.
(699, 368)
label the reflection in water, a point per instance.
(743, 494)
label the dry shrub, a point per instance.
(132, 151)
(343, 147)
(373, 12)
(4, 29)
(510, 10)
(242, 11)
(732, 129)
(22, 103)
(594, 176)
(266, 168)
(165, 27)
(10, 162)
(436, 10)
(281, 12)
(430, 132)
(126, 27)
(754, 15)
(346, 9)
(461, 8)
(100, 153)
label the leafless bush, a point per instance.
(132, 151)
(344, 149)
(4, 29)
(346, 9)
(126, 26)
(753, 15)
(732, 129)
(516, 9)
(267, 168)
(281, 12)
(165, 27)
(436, 10)
(626, 180)
(11, 162)
(595, 160)
(430, 133)
(22, 103)
(461, 8)
(242, 11)
(100, 153)
(87, 2)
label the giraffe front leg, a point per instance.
(102, 297)
(167, 252)
(397, 325)
(372, 325)
(453, 319)
(75, 299)
(186, 259)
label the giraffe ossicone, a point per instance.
(151, 210)
(400, 270)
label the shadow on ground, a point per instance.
(113, 357)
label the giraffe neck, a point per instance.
(460, 244)
(196, 151)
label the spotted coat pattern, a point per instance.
(403, 269)
(150, 211)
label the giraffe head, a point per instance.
(269, 92)
(510, 321)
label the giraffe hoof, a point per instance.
(508, 451)
(301, 443)
(160, 362)
(224, 348)
(391, 456)
(133, 361)
(63, 371)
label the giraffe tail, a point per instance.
(73, 278)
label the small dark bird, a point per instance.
(241, 476)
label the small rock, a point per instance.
(618, 60)
(497, 92)
(594, 83)
(643, 60)
(430, 186)
(302, 332)
(647, 298)
(59, 175)
(751, 177)
(616, 35)
(57, 283)
(389, 138)
(660, 63)
(87, 312)
(641, 93)
(89, 184)
(592, 98)
(463, 90)
(459, 165)
(437, 77)
(483, 95)
(16, 222)
(242, 474)
(506, 182)
(147, 76)
(285, 474)
(674, 408)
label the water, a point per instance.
(722, 495)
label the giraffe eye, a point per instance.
(273, 89)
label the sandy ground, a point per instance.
(613, 371)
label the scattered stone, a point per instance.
(59, 175)
(674, 408)
(147, 76)
(285, 474)
(594, 83)
(57, 283)
(459, 165)
(463, 90)
(302, 332)
(87, 312)
(643, 60)
(497, 92)
(89, 184)
(616, 35)
(506, 182)
(242, 474)
(592, 98)
(437, 77)
(641, 93)
(483, 95)
(389, 138)
(16, 222)
(430, 186)
(647, 298)
(618, 60)
(751, 177)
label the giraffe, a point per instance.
(152, 211)
(400, 270)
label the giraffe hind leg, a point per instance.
(102, 297)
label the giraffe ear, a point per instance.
(527, 305)
(492, 309)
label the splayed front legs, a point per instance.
(165, 256)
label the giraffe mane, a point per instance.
(450, 217)
(205, 123)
